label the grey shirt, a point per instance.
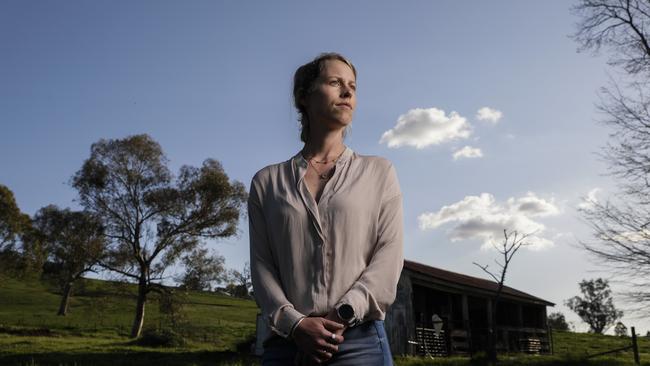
(308, 257)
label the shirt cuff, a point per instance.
(358, 301)
(287, 319)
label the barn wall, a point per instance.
(399, 317)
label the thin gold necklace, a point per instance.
(327, 175)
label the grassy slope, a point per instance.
(95, 332)
(99, 321)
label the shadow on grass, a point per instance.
(131, 359)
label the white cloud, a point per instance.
(424, 127)
(489, 114)
(589, 201)
(481, 217)
(468, 152)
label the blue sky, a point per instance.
(212, 79)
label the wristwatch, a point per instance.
(345, 312)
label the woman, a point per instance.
(326, 234)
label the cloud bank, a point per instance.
(481, 217)
(424, 127)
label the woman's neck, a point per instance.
(324, 146)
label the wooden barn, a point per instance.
(441, 313)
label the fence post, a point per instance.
(635, 348)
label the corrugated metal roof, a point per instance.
(470, 281)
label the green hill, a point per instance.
(218, 330)
(99, 322)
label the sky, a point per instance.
(486, 109)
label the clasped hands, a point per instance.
(318, 338)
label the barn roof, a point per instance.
(469, 281)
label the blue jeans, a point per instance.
(365, 344)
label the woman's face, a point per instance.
(333, 98)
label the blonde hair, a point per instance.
(303, 85)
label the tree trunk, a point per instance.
(492, 335)
(65, 299)
(139, 309)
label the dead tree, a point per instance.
(512, 242)
(621, 224)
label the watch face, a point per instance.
(346, 312)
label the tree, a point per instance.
(12, 221)
(621, 225)
(239, 283)
(620, 330)
(202, 269)
(556, 321)
(596, 307)
(22, 248)
(512, 242)
(150, 218)
(75, 243)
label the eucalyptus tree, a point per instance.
(21, 250)
(152, 218)
(12, 221)
(75, 244)
(596, 305)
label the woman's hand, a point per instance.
(318, 338)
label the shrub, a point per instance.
(160, 338)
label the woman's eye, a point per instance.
(335, 83)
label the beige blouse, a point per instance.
(307, 258)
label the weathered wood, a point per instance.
(400, 320)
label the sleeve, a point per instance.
(376, 288)
(269, 295)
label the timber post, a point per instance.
(635, 348)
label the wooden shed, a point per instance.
(460, 307)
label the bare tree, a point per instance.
(512, 242)
(621, 225)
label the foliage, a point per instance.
(21, 253)
(151, 219)
(239, 283)
(620, 329)
(620, 224)
(160, 338)
(170, 306)
(74, 242)
(557, 322)
(202, 269)
(12, 221)
(596, 307)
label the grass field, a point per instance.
(218, 329)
